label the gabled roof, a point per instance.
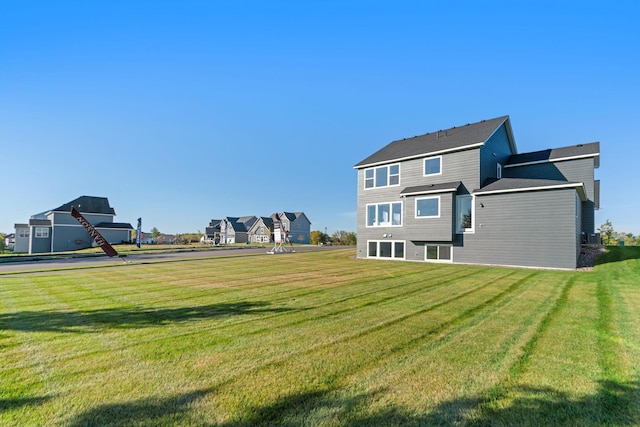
(442, 141)
(447, 187)
(518, 185)
(579, 151)
(241, 224)
(263, 220)
(88, 204)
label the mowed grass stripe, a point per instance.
(154, 346)
(80, 319)
(358, 351)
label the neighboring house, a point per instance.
(466, 195)
(166, 239)
(236, 229)
(261, 230)
(56, 230)
(212, 232)
(148, 239)
(10, 241)
(297, 224)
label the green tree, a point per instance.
(2, 244)
(155, 232)
(607, 233)
(318, 237)
(342, 237)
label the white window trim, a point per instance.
(393, 249)
(471, 230)
(450, 260)
(390, 223)
(424, 216)
(41, 232)
(499, 170)
(374, 187)
(424, 166)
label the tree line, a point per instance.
(340, 237)
(610, 237)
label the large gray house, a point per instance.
(466, 195)
(56, 230)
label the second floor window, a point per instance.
(433, 166)
(382, 176)
(384, 214)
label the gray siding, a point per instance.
(115, 236)
(39, 244)
(300, 230)
(58, 218)
(579, 170)
(536, 229)
(496, 150)
(459, 166)
(21, 243)
(70, 238)
(429, 229)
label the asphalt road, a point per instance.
(97, 261)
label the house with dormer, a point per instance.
(466, 195)
(55, 230)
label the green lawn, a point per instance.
(321, 339)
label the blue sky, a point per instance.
(184, 111)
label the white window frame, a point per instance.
(23, 233)
(425, 216)
(472, 229)
(41, 232)
(424, 166)
(438, 259)
(499, 170)
(374, 172)
(393, 249)
(376, 222)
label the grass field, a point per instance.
(322, 339)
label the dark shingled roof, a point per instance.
(513, 185)
(555, 154)
(88, 204)
(114, 225)
(435, 142)
(432, 188)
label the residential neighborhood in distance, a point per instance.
(252, 229)
(466, 195)
(55, 230)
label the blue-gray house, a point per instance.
(466, 195)
(56, 230)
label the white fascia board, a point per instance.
(559, 159)
(579, 187)
(420, 193)
(419, 156)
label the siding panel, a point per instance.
(534, 229)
